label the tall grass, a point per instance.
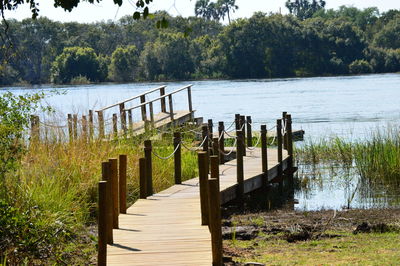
(59, 180)
(376, 158)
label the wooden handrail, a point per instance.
(130, 99)
(159, 98)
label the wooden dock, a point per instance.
(165, 229)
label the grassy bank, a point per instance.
(49, 214)
(367, 237)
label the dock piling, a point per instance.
(239, 164)
(202, 157)
(264, 158)
(177, 158)
(114, 190)
(221, 132)
(249, 133)
(149, 171)
(142, 178)
(102, 224)
(122, 169)
(215, 221)
(106, 176)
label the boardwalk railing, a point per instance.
(112, 189)
(88, 126)
(162, 100)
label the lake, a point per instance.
(346, 106)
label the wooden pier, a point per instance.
(182, 225)
(165, 229)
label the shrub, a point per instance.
(360, 66)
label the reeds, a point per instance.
(376, 158)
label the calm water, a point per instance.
(345, 106)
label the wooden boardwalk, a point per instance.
(165, 229)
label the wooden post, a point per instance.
(35, 135)
(163, 105)
(123, 161)
(189, 91)
(210, 134)
(143, 178)
(215, 147)
(237, 121)
(151, 114)
(206, 140)
(84, 128)
(171, 107)
(279, 143)
(242, 126)
(264, 158)
(214, 172)
(239, 164)
(149, 172)
(114, 190)
(284, 135)
(130, 119)
(249, 133)
(91, 127)
(101, 124)
(289, 139)
(221, 130)
(115, 125)
(102, 224)
(143, 107)
(75, 121)
(122, 114)
(289, 134)
(106, 176)
(177, 158)
(203, 176)
(70, 128)
(215, 221)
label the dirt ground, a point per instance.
(295, 226)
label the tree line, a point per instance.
(346, 40)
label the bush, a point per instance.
(75, 62)
(360, 67)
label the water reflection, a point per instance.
(324, 186)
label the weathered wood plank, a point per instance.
(165, 229)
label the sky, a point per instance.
(106, 10)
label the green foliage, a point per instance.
(360, 66)
(388, 37)
(167, 57)
(124, 62)
(74, 62)
(304, 9)
(263, 46)
(15, 113)
(215, 10)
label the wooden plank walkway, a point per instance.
(165, 229)
(163, 120)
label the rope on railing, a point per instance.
(230, 125)
(229, 153)
(169, 156)
(52, 126)
(258, 141)
(197, 148)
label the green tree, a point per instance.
(225, 7)
(74, 62)
(167, 58)
(304, 9)
(124, 61)
(388, 37)
(207, 10)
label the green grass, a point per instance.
(363, 249)
(55, 190)
(376, 158)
